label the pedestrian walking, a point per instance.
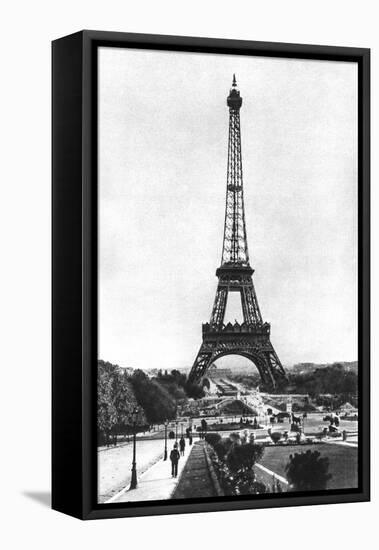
(174, 457)
(182, 445)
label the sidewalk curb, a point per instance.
(212, 473)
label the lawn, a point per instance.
(343, 462)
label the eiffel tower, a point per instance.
(251, 338)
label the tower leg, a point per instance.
(201, 364)
(250, 307)
(219, 306)
(276, 366)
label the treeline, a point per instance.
(120, 391)
(334, 380)
(115, 402)
(156, 401)
(178, 384)
(304, 367)
(249, 380)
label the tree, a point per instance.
(240, 461)
(308, 471)
(204, 425)
(276, 436)
(194, 390)
(333, 379)
(124, 401)
(206, 383)
(115, 401)
(178, 386)
(222, 448)
(234, 464)
(153, 398)
(243, 457)
(106, 410)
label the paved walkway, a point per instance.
(156, 483)
(114, 465)
(195, 480)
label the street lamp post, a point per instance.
(165, 440)
(176, 431)
(133, 481)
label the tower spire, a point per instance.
(234, 249)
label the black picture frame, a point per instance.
(74, 270)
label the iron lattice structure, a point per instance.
(251, 338)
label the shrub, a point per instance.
(222, 448)
(308, 471)
(240, 461)
(276, 436)
(248, 485)
(212, 438)
(206, 383)
(233, 463)
(243, 457)
(234, 437)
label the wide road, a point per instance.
(156, 483)
(115, 463)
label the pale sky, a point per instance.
(163, 129)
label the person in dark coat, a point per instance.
(182, 445)
(174, 457)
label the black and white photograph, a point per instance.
(227, 361)
(189, 228)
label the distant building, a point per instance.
(214, 373)
(348, 408)
(231, 406)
